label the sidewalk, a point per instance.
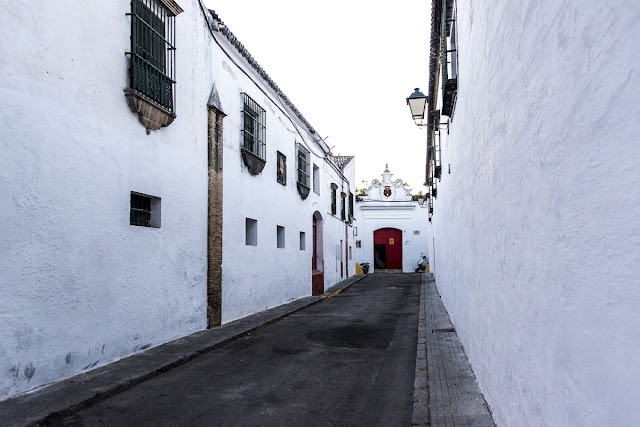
(80, 391)
(446, 392)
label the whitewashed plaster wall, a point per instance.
(374, 213)
(80, 286)
(255, 278)
(410, 219)
(537, 239)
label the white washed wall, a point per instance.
(263, 276)
(80, 286)
(386, 215)
(537, 239)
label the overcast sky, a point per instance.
(348, 66)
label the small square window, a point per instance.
(303, 241)
(280, 237)
(251, 232)
(281, 165)
(357, 243)
(144, 210)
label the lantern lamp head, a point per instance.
(417, 103)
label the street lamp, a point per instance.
(420, 200)
(417, 102)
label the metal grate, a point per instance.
(334, 209)
(140, 210)
(303, 166)
(253, 127)
(350, 208)
(152, 66)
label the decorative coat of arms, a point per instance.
(387, 191)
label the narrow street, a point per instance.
(348, 360)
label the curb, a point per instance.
(58, 400)
(420, 415)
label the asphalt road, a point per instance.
(348, 360)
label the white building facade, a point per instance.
(274, 264)
(390, 227)
(125, 186)
(535, 217)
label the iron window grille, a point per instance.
(140, 210)
(253, 127)
(334, 197)
(343, 212)
(303, 166)
(350, 208)
(282, 169)
(449, 57)
(437, 153)
(153, 53)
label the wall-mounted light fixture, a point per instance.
(417, 103)
(421, 200)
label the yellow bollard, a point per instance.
(426, 270)
(359, 269)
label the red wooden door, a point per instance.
(314, 261)
(392, 239)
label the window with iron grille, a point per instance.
(144, 210)
(350, 208)
(253, 127)
(282, 169)
(449, 58)
(152, 66)
(343, 212)
(316, 179)
(334, 201)
(303, 166)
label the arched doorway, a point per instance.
(387, 248)
(317, 261)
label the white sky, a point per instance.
(348, 66)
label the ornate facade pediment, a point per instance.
(387, 190)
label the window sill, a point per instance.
(254, 163)
(150, 115)
(303, 190)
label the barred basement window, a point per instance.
(144, 210)
(253, 127)
(280, 237)
(282, 169)
(251, 232)
(152, 67)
